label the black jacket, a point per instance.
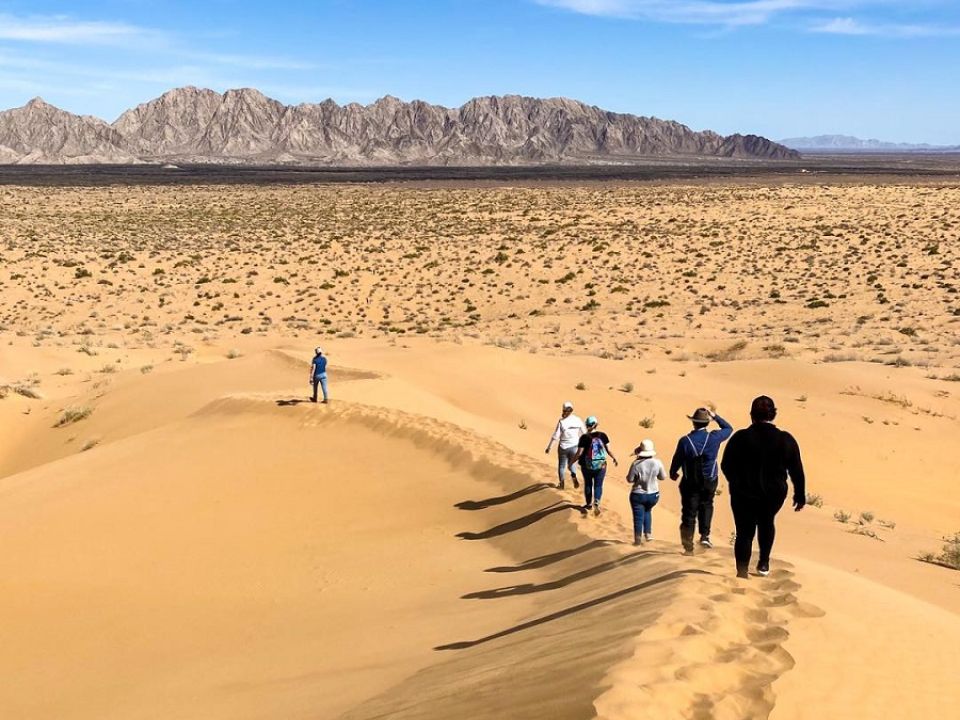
(757, 461)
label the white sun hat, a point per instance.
(568, 405)
(646, 449)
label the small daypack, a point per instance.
(700, 474)
(597, 453)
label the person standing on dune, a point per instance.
(567, 436)
(592, 452)
(756, 464)
(318, 374)
(696, 455)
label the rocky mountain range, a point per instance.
(848, 143)
(194, 125)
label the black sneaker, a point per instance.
(763, 569)
(576, 483)
(638, 540)
(742, 572)
(688, 551)
(705, 542)
(560, 485)
(596, 509)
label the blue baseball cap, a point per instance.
(591, 421)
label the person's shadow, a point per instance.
(288, 403)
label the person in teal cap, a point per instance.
(592, 453)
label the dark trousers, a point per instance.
(754, 516)
(696, 507)
(593, 485)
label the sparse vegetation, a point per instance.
(814, 500)
(949, 555)
(73, 415)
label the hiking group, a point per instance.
(757, 462)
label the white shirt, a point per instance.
(568, 432)
(646, 474)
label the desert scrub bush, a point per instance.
(64, 371)
(108, 369)
(72, 415)
(842, 516)
(627, 387)
(815, 500)
(646, 422)
(580, 386)
(949, 555)
(146, 369)
(866, 517)
(728, 353)
(233, 354)
(89, 445)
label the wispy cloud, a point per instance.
(63, 30)
(698, 12)
(59, 29)
(852, 26)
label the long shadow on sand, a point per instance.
(502, 499)
(674, 575)
(519, 523)
(527, 588)
(544, 560)
(291, 402)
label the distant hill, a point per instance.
(848, 143)
(193, 125)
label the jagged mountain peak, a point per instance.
(195, 124)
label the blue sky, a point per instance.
(873, 68)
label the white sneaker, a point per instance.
(648, 538)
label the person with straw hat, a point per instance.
(645, 475)
(696, 455)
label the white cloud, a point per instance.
(59, 29)
(852, 26)
(700, 12)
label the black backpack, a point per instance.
(700, 474)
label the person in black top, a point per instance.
(756, 463)
(592, 452)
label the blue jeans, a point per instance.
(564, 456)
(322, 382)
(642, 506)
(593, 485)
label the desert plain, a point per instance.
(184, 536)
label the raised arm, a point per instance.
(726, 429)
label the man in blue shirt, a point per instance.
(318, 374)
(696, 455)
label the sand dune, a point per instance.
(186, 537)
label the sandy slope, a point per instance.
(198, 543)
(226, 551)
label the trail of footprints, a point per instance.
(715, 652)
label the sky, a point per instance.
(884, 69)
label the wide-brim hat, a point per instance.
(645, 449)
(700, 415)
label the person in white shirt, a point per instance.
(567, 436)
(645, 474)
